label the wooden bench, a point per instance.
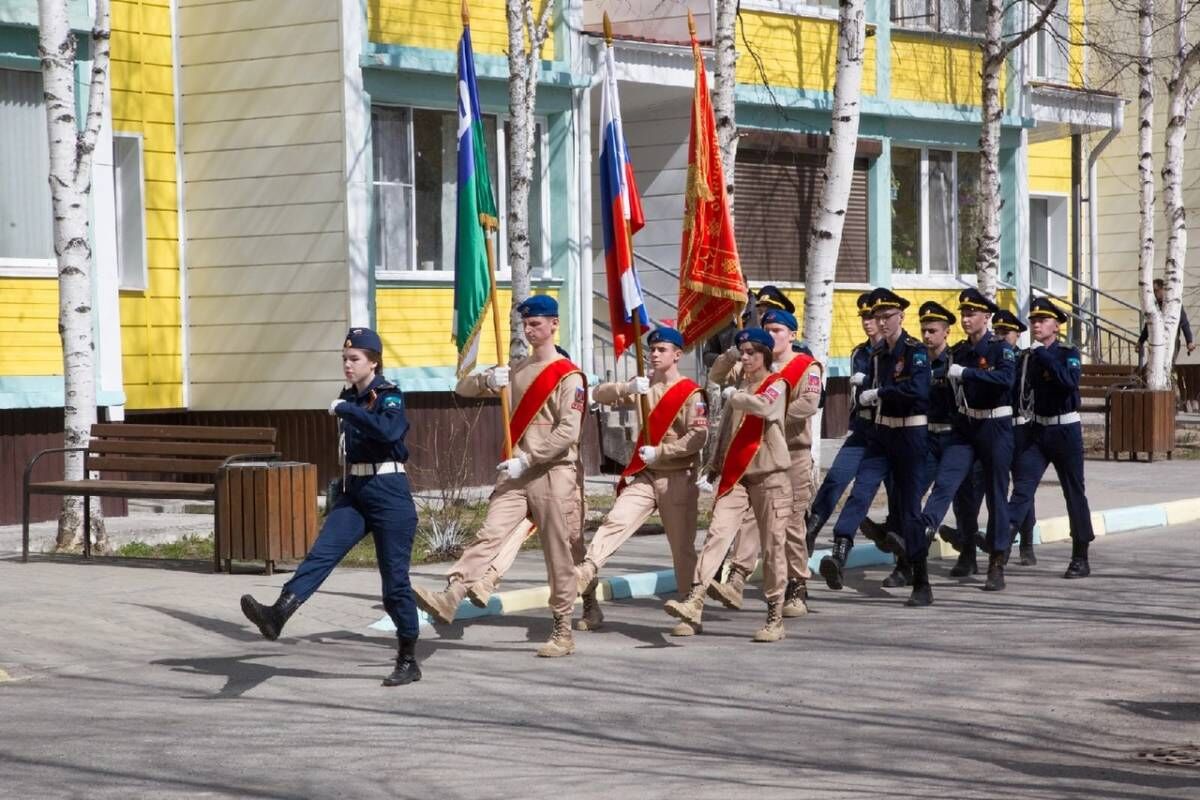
(1098, 381)
(164, 451)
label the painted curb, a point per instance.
(650, 584)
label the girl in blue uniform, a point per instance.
(375, 496)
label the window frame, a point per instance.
(1045, 41)
(22, 266)
(140, 147)
(924, 232)
(503, 272)
(1058, 241)
(934, 12)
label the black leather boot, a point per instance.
(407, 670)
(875, 531)
(966, 563)
(950, 536)
(270, 619)
(832, 565)
(902, 575)
(1078, 568)
(995, 573)
(922, 592)
(812, 526)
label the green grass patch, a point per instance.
(185, 549)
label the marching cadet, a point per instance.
(982, 374)
(845, 464)
(803, 376)
(375, 496)
(660, 477)
(1056, 433)
(899, 393)
(750, 466)
(538, 481)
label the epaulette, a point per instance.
(911, 342)
(387, 386)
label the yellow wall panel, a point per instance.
(137, 77)
(161, 195)
(1050, 167)
(29, 327)
(437, 24)
(936, 71)
(794, 52)
(127, 45)
(160, 395)
(135, 106)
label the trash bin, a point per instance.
(266, 511)
(1140, 421)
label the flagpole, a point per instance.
(489, 225)
(643, 401)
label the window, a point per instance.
(1049, 59)
(1048, 243)
(935, 211)
(945, 16)
(416, 195)
(131, 212)
(26, 232)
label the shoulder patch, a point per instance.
(1073, 362)
(577, 403)
(392, 401)
(1009, 354)
(814, 383)
(920, 358)
(701, 408)
(771, 392)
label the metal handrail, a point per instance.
(1088, 286)
(655, 264)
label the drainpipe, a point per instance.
(1093, 208)
(585, 215)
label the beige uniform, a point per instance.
(764, 488)
(547, 492)
(803, 401)
(669, 485)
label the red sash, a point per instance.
(538, 393)
(792, 371)
(663, 414)
(745, 443)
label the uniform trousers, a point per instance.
(383, 505)
(770, 496)
(991, 442)
(510, 548)
(969, 497)
(841, 472)
(674, 495)
(546, 496)
(1062, 446)
(897, 453)
(749, 542)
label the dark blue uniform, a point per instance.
(897, 445)
(1055, 437)
(374, 426)
(982, 429)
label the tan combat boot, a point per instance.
(561, 642)
(442, 606)
(481, 590)
(795, 598)
(729, 594)
(773, 631)
(686, 629)
(592, 617)
(689, 609)
(585, 577)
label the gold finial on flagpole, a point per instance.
(607, 30)
(466, 14)
(691, 24)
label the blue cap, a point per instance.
(539, 305)
(933, 311)
(886, 298)
(1004, 321)
(667, 335)
(1041, 307)
(770, 297)
(364, 339)
(864, 304)
(975, 300)
(778, 316)
(756, 335)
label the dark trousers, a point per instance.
(969, 497)
(841, 472)
(1062, 446)
(991, 442)
(383, 505)
(895, 454)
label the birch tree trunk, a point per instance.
(825, 237)
(724, 82)
(996, 50)
(1182, 99)
(1156, 369)
(70, 178)
(526, 36)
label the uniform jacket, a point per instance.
(803, 400)
(374, 423)
(901, 374)
(989, 368)
(1054, 373)
(680, 447)
(941, 392)
(772, 454)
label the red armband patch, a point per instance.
(578, 403)
(814, 383)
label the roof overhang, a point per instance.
(1061, 111)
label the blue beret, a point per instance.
(364, 339)
(1004, 320)
(756, 335)
(664, 334)
(886, 298)
(1041, 307)
(778, 316)
(974, 299)
(539, 305)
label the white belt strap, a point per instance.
(382, 468)
(1061, 419)
(902, 422)
(1020, 420)
(989, 413)
(940, 427)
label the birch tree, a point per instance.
(724, 82)
(71, 149)
(1146, 190)
(527, 32)
(996, 49)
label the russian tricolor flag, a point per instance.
(621, 213)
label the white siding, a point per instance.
(263, 143)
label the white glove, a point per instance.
(497, 378)
(869, 398)
(515, 466)
(639, 384)
(728, 392)
(1035, 344)
(857, 379)
(955, 372)
(649, 454)
(333, 406)
(705, 485)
